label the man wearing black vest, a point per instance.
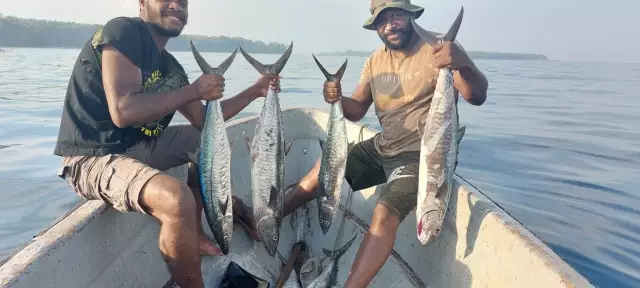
(115, 138)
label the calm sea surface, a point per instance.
(556, 144)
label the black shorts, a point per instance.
(367, 168)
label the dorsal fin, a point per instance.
(271, 69)
(206, 68)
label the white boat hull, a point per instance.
(480, 245)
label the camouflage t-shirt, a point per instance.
(402, 86)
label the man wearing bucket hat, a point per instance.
(399, 78)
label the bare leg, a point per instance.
(205, 245)
(172, 204)
(375, 247)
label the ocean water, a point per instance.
(556, 144)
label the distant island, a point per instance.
(23, 32)
(472, 54)
(34, 33)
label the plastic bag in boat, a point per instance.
(236, 277)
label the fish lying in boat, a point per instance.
(334, 157)
(267, 149)
(439, 145)
(214, 163)
(329, 274)
(299, 220)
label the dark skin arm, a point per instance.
(467, 79)
(127, 106)
(355, 107)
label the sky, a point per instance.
(568, 30)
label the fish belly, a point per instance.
(333, 162)
(215, 166)
(268, 148)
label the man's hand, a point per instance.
(447, 54)
(209, 87)
(332, 91)
(260, 88)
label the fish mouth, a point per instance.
(428, 228)
(269, 234)
(326, 214)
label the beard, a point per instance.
(162, 24)
(404, 35)
(162, 30)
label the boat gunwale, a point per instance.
(77, 218)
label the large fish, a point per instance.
(214, 163)
(334, 157)
(439, 145)
(267, 149)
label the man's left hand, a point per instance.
(262, 85)
(447, 54)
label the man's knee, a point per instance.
(384, 219)
(167, 198)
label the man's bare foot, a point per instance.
(207, 248)
(244, 216)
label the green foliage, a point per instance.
(22, 32)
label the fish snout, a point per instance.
(267, 227)
(326, 214)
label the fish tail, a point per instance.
(332, 77)
(271, 69)
(206, 68)
(431, 39)
(335, 255)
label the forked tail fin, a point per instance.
(270, 69)
(332, 77)
(433, 40)
(206, 68)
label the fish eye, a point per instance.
(275, 237)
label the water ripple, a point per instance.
(555, 144)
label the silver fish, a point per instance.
(439, 145)
(334, 157)
(214, 163)
(329, 274)
(267, 149)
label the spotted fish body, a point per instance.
(214, 164)
(439, 147)
(267, 150)
(334, 158)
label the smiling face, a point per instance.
(168, 17)
(394, 28)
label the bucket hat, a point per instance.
(378, 6)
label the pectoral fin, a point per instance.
(321, 143)
(460, 134)
(287, 146)
(273, 198)
(350, 145)
(193, 157)
(247, 141)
